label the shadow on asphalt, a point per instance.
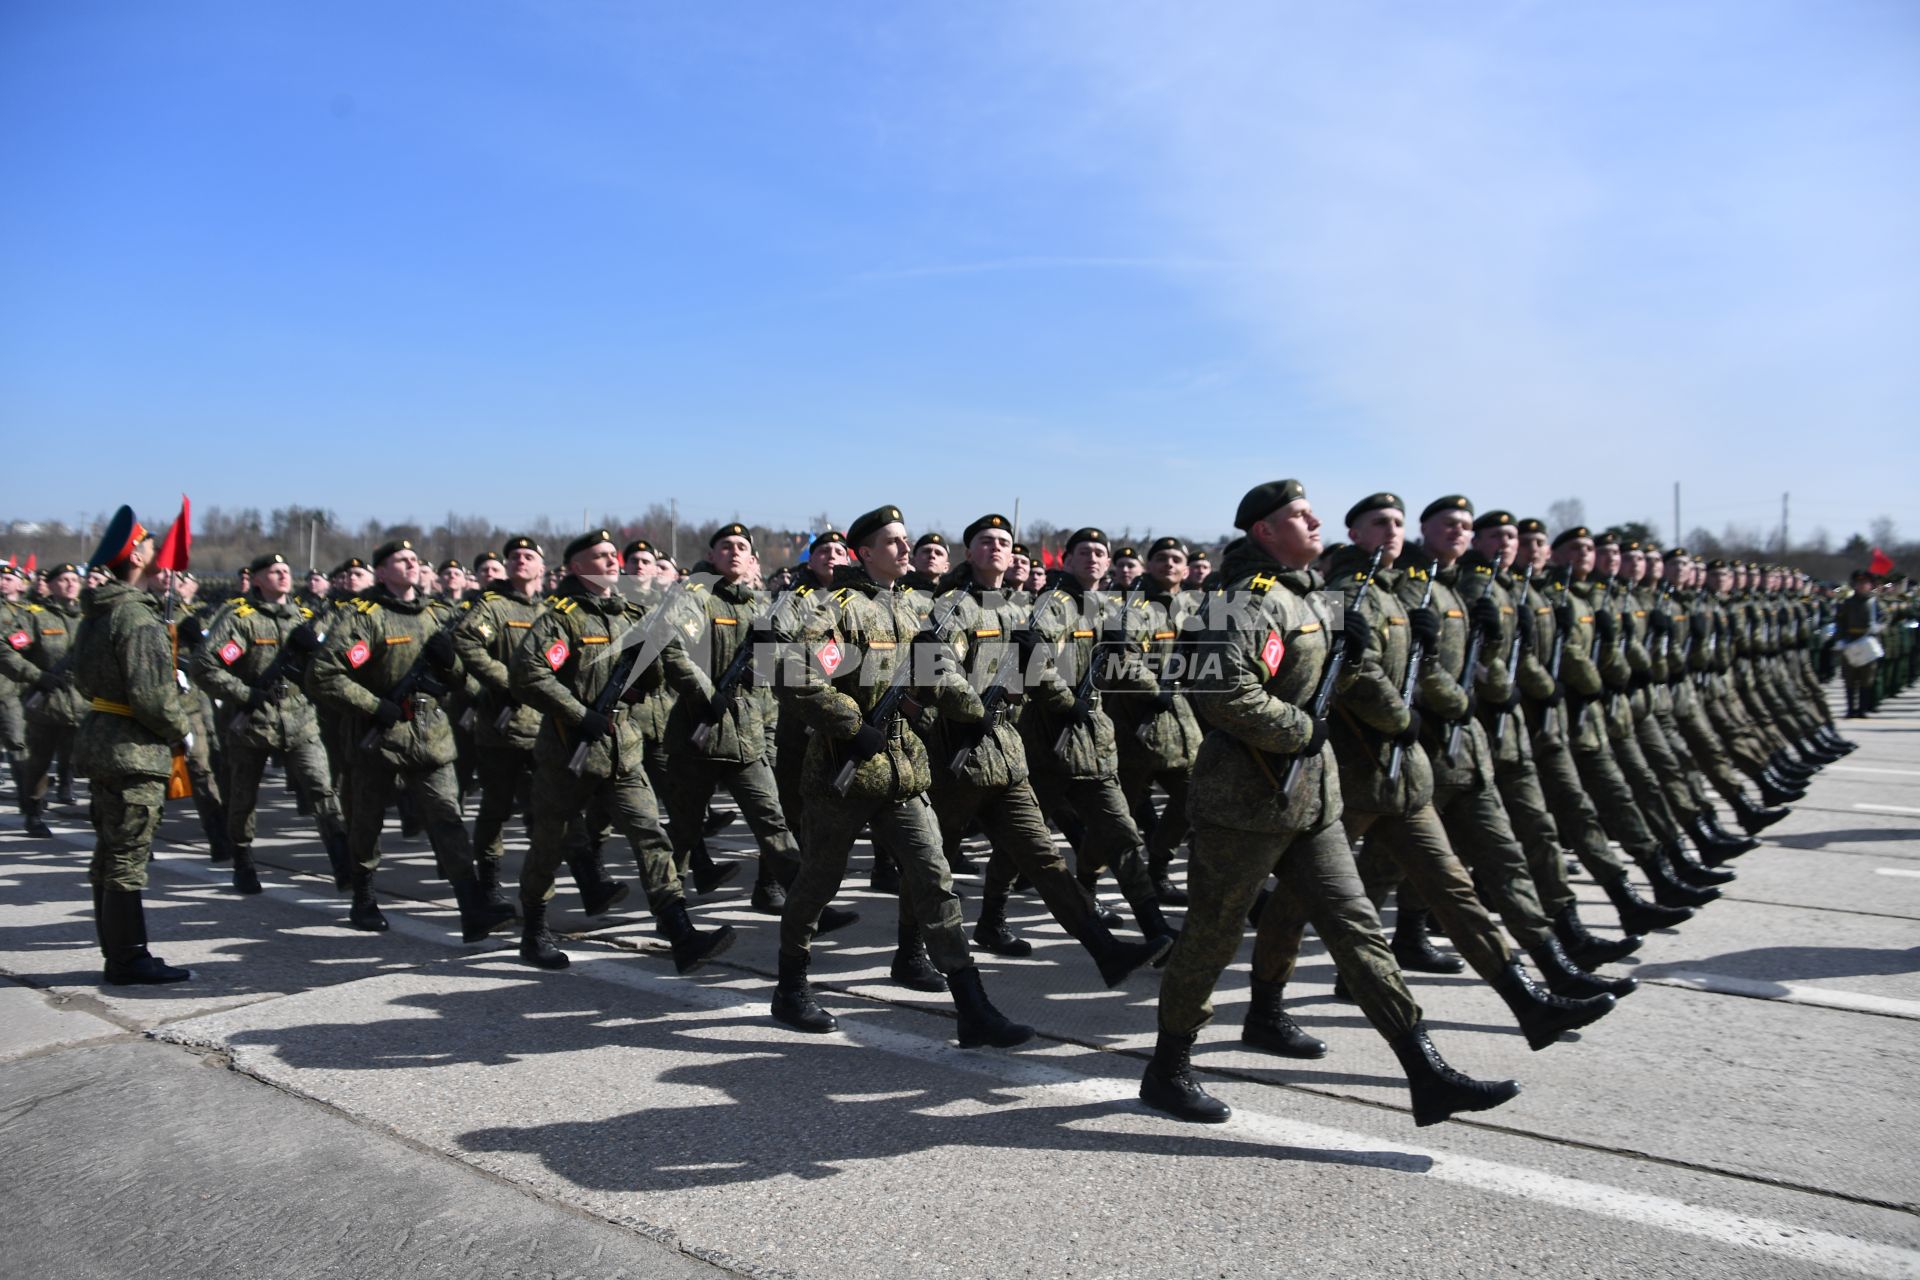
(1855, 835)
(1786, 963)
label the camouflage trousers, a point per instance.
(306, 768)
(1689, 726)
(926, 886)
(1170, 827)
(1679, 784)
(1644, 784)
(1525, 800)
(1110, 838)
(1613, 798)
(373, 785)
(1317, 879)
(500, 772)
(625, 803)
(125, 812)
(1482, 837)
(690, 787)
(1022, 845)
(1574, 813)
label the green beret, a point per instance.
(68, 566)
(1166, 544)
(1020, 549)
(1606, 538)
(1125, 553)
(1264, 499)
(1375, 502)
(734, 530)
(265, 561)
(1086, 533)
(349, 565)
(826, 538)
(587, 540)
(871, 523)
(1565, 536)
(523, 543)
(387, 550)
(930, 540)
(1722, 564)
(1493, 520)
(486, 557)
(1452, 502)
(638, 544)
(450, 563)
(984, 523)
(1675, 553)
(1531, 525)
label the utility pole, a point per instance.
(1016, 519)
(1783, 523)
(673, 507)
(1678, 534)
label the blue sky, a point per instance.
(1120, 260)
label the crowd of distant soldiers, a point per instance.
(1279, 734)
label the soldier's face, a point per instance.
(1022, 568)
(359, 579)
(398, 572)
(64, 586)
(887, 552)
(1533, 551)
(525, 567)
(1127, 570)
(1499, 544)
(824, 559)
(1036, 577)
(932, 559)
(1606, 560)
(1656, 569)
(731, 557)
(1088, 561)
(1633, 565)
(1448, 533)
(990, 555)
(9, 587)
(641, 564)
(316, 584)
(1291, 534)
(1169, 568)
(598, 566)
(1577, 555)
(490, 571)
(453, 581)
(1384, 530)
(272, 582)
(1197, 571)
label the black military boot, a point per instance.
(1168, 1084)
(1268, 1026)
(30, 811)
(1691, 870)
(599, 892)
(911, 968)
(487, 872)
(1411, 948)
(691, 947)
(1169, 893)
(769, 897)
(1439, 1091)
(1792, 770)
(1637, 915)
(980, 1022)
(364, 914)
(123, 937)
(1831, 736)
(1726, 845)
(1153, 924)
(536, 944)
(793, 1002)
(1117, 959)
(717, 820)
(1753, 818)
(213, 825)
(246, 879)
(1585, 949)
(1543, 1016)
(478, 917)
(65, 794)
(1774, 790)
(709, 875)
(1565, 978)
(335, 843)
(1668, 890)
(1853, 703)
(886, 872)
(992, 933)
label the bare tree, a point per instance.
(1566, 513)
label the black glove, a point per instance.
(387, 713)
(1359, 633)
(1163, 701)
(1660, 624)
(1486, 616)
(869, 741)
(304, 639)
(1603, 626)
(1316, 741)
(1701, 626)
(1563, 616)
(1523, 631)
(1627, 629)
(1559, 694)
(50, 681)
(593, 726)
(440, 652)
(1425, 625)
(1411, 734)
(263, 695)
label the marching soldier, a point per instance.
(254, 659)
(387, 667)
(135, 724)
(36, 661)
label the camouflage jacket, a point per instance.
(1153, 723)
(488, 636)
(1075, 631)
(987, 629)
(716, 622)
(37, 644)
(123, 666)
(243, 641)
(370, 650)
(1443, 695)
(1368, 709)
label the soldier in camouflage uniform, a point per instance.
(979, 769)
(123, 669)
(13, 723)
(35, 661)
(1386, 785)
(395, 634)
(860, 645)
(1263, 652)
(562, 670)
(254, 659)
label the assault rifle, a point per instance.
(872, 738)
(289, 664)
(1329, 676)
(1415, 660)
(1520, 618)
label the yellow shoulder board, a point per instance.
(565, 604)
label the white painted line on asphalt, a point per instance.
(1895, 871)
(1863, 768)
(1792, 993)
(1887, 808)
(1780, 1239)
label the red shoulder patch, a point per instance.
(358, 655)
(230, 652)
(557, 654)
(829, 656)
(19, 639)
(1272, 651)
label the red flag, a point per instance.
(173, 553)
(1881, 565)
(33, 561)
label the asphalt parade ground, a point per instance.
(321, 1102)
